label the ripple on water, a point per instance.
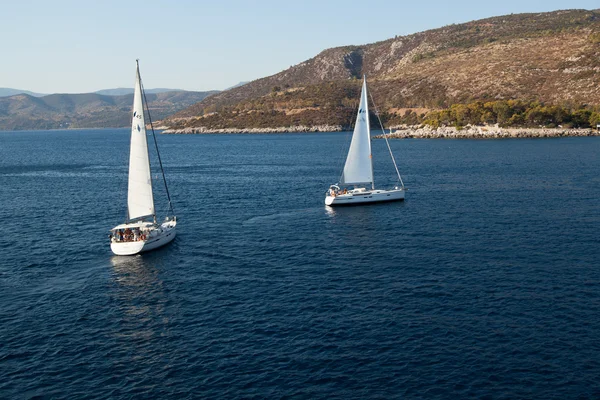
(483, 283)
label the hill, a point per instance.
(5, 92)
(122, 91)
(89, 110)
(548, 58)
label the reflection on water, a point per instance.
(135, 271)
(140, 296)
(330, 211)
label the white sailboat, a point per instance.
(141, 232)
(357, 175)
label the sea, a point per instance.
(484, 283)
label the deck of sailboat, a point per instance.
(136, 224)
(364, 197)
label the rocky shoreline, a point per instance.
(288, 129)
(410, 132)
(479, 132)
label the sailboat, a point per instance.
(141, 232)
(357, 175)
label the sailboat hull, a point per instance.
(159, 237)
(365, 197)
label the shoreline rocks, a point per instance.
(485, 132)
(409, 132)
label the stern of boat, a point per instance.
(127, 248)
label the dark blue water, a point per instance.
(484, 283)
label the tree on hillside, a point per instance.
(595, 119)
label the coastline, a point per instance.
(288, 129)
(489, 132)
(406, 132)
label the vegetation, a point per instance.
(333, 103)
(506, 113)
(595, 37)
(311, 107)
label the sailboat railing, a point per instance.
(386, 140)
(156, 145)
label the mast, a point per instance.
(156, 145)
(369, 130)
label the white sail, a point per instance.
(359, 168)
(140, 202)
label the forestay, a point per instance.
(140, 202)
(359, 168)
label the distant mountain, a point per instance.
(547, 57)
(122, 91)
(237, 85)
(89, 110)
(4, 92)
(115, 92)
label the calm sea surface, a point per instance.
(485, 282)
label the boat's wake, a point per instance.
(295, 214)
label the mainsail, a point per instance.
(140, 202)
(359, 168)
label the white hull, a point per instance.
(370, 196)
(162, 235)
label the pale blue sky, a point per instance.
(70, 46)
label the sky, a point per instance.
(65, 46)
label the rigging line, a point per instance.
(386, 139)
(168, 208)
(155, 142)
